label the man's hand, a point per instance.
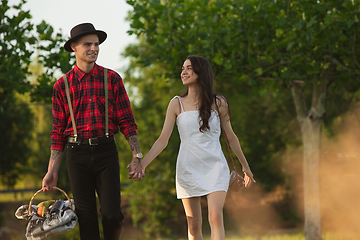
(51, 177)
(49, 181)
(135, 167)
(136, 170)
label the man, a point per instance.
(91, 153)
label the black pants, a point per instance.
(90, 169)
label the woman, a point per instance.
(201, 168)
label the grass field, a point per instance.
(279, 236)
(295, 236)
(9, 203)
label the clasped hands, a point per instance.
(136, 170)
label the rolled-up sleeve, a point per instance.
(58, 140)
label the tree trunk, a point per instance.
(311, 144)
(310, 123)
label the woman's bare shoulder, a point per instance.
(174, 105)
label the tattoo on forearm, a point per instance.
(134, 143)
(54, 154)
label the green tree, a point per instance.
(309, 47)
(259, 123)
(19, 40)
(152, 200)
(14, 58)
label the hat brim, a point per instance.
(101, 35)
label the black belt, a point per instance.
(91, 141)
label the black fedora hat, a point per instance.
(82, 30)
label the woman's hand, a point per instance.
(248, 178)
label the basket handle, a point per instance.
(40, 190)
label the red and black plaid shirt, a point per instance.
(88, 103)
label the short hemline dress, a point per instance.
(201, 166)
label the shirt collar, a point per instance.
(79, 74)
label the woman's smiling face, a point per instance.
(188, 76)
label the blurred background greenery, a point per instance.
(259, 50)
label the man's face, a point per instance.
(86, 48)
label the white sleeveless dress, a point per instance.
(201, 166)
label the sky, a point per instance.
(106, 15)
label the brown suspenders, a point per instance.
(106, 104)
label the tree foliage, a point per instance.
(19, 41)
(251, 40)
(258, 49)
(261, 43)
(152, 201)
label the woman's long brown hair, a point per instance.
(201, 66)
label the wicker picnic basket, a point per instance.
(51, 217)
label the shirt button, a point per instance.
(90, 100)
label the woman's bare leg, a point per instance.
(192, 208)
(216, 201)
